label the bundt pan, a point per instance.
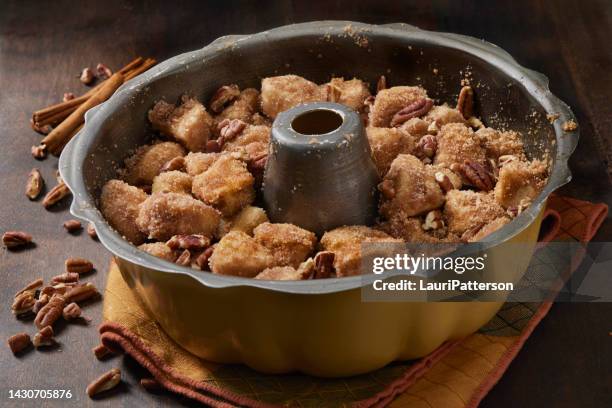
(319, 327)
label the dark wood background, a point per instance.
(43, 45)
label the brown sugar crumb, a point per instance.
(414, 188)
(570, 126)
(119, 203)
(163, 215)
(145, 164)
(284, 92)
(345, 243)
(188, 123)
(551, 117)
(467, 209)
(456, 144)
(227, 185)
(238, 254)
(289, 244)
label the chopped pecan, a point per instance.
(81, 292)
(324, 265)
(44, 337)
(101, 351)
(477, 175)
(184, 259)
(257, 167)
(381, 84)
(50, 312)
(68, 96)
(387, 189)
(433, 221)
(16, 239)
(19, 342)
(332, 92)
(443, 181)
(57, 193)
(569, 126)
(184, 241)
(39, 152)
(91, 231)
(87, 76)
(426, 147)
(465, 102)
(71, 311)
(42, 300)
(72, 225)
(414, 110)
(78, 265)
(103, 71)
(67, 277)
(223, 96)
(178, 163)
(23, 303)
(105, 382)
(202, 259)
(229, 129)
(213, 146)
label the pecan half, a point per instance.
(87, 76)
(50, 312)
(465, 102)
(324, 265)
(202, 259)
(387, 189)
(443, 181)
(426, 147)
(34, 184)
(57, 193)
(44, 337)
(223, 96)
(103, 71)
(71, 311)
(67, 277)
(433, 221)
(414, 110)
(184, 259)
(72, 225)
(381, 84)
(31, 287)
(229, 130)
(178, 163)
(213, 146)
(150, 384)
(23, 303)
(19, 342)
(257, 167)
(78, 265)
(101, 352)
(39, 152)
(184, 241)
(105, 382)
(477, 175)
(81, 292)
(16, 239)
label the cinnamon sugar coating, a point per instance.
(196, 163)
(163, 215)
(389, 101)
(253, 140)
(160, 250)
(142, 167)
(238, 254)
(387, 144)
(520, 182)
(172, 182)
(351, 93)
(189, 123)
(498, 143)
(466, 209)
(289, 244)
(119, 204)
(243, 108)
(284, 92)
(456, 144)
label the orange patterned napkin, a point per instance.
(457, 374)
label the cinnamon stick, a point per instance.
(61, 134)
(148, 63)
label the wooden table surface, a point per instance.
(566, 362)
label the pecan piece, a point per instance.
(103, 71)
(332, 93)
(19, 342)
(414, 110)
(23, 303)
(193, 242)
(426, 147)
(44, 337)
(257, 167)
(16, 239)
(433, 221)
(178, 163)
(91, 231)
(42, 300)
(477, 175)
(324, 265)
(50, 312)
(68, 96)
(202, 259)
(87, 76)
(39, 152)
(223, 96)
(57, 193)
(229, 130)
(78, 265)
(80, 293)
(72, 225)
(387, 189)
(71, 311)
(444, 182)
(465, 102)
(184, 259)
(381, 84)
(67, 277)
(213, 146)
(105, 382)
(34, 184)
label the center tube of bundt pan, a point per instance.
(320, 174)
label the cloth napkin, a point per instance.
(457, 374)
